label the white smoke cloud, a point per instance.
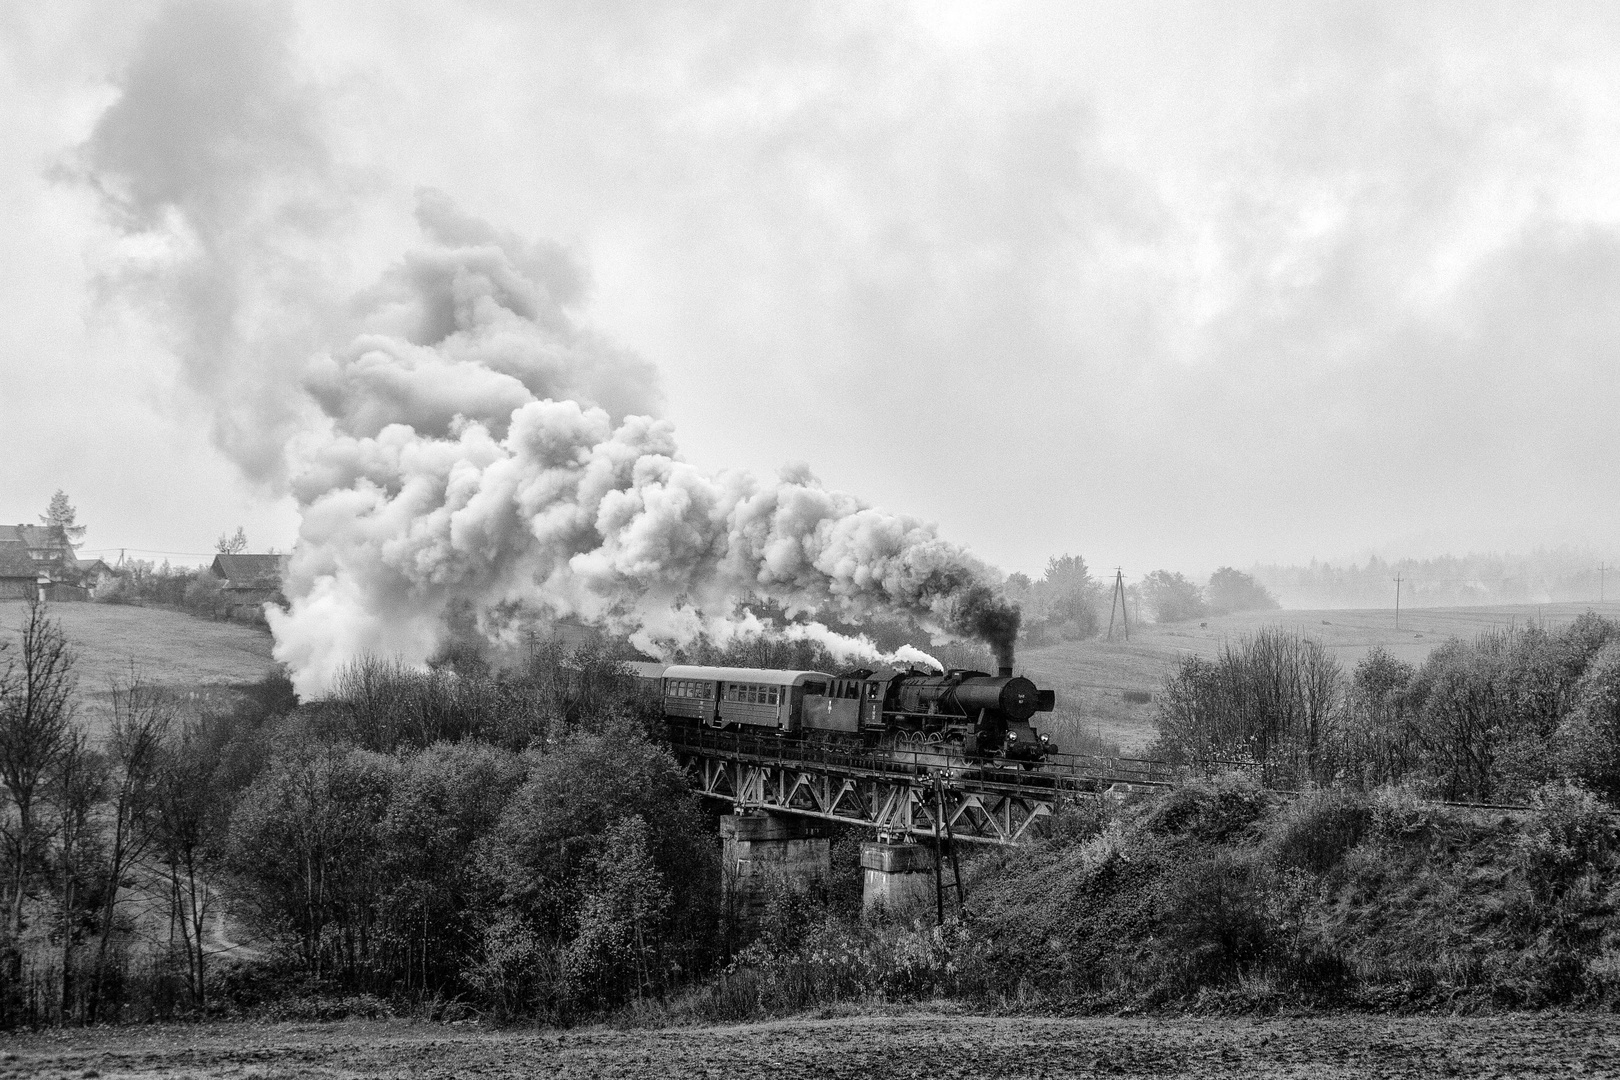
(471, 455)
(474, 445)
(473, 328)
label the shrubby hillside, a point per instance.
(517, 842)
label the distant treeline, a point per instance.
(1564, 575)
(1067, 603)
(1493, 719)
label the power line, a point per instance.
(149, 551)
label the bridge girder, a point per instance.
(896, 797)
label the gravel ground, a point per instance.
(916, 1045)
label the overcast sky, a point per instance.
(1166, 285)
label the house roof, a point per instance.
(92, 566)
(249, 571)
(14, 561)
(35, 536)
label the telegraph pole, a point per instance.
(1602, 568)
(1118, 598)
(1397, 601)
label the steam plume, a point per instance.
(451, 468)
(473, 444)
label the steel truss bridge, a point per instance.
(910, 792)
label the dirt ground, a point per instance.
(914, 1045)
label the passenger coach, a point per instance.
(740, 697)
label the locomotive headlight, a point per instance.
(1046, 738)
(1012, 736)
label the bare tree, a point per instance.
(78, 786)
(36, 707)
(142, 714)
(188, 819)
(1272, 701)
(234, 544)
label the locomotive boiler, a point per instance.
(955, 715)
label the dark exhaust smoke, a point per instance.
(992, 618)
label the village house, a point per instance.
(39, 559)
(93, 574)
(18, 578)
(248, 582)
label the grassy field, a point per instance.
(170, 648)
(1090, 675)
(899, 1045)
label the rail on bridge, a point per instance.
(910, 792)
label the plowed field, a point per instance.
(916, 1045)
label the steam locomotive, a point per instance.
(960, 714)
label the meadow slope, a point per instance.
(170, 648)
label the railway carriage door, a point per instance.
(872, 704)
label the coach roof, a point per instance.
(766, 676)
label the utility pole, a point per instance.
(1397, 601)
(1602, 568)
(1118, 598)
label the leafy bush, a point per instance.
(1314, 831)
(1589, 738)
(1172, 598)
(515, 969)
(1212, 811)
(1216, 916)
(619, 920)
(1232, 590)
(1573, 836)
(1397, 811)
(203, 593)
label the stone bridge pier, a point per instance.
(761, 850)
(896, 877)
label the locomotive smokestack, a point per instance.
(1005, 671)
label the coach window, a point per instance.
(815, 688)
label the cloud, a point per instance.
(213, 164)
(1170, 284)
